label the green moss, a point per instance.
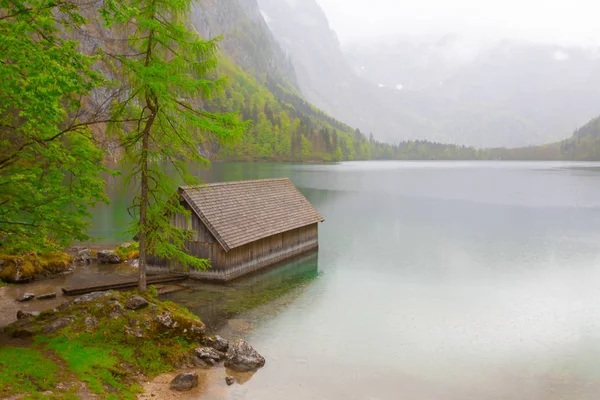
(128, 253)
(29, 266)
(25, 370)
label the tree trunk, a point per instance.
(144, 195)
(142, 285)
(145, 198)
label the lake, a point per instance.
(434, 280)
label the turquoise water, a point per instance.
(434, 280)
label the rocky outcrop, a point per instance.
(242, 357)
(131, 320)
(184, 382)
(108, 257)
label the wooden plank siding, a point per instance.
(228, 265)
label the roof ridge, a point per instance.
(234, 183)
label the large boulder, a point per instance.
(242, 357)
(136, 303)
(184, 382)
(108, 257)
(82, 255)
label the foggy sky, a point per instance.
(567, 22)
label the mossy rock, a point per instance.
(24, 268)
(108, 345)
(128, 251)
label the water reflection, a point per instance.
(235, 308)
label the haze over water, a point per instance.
(434, 280)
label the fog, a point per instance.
(547, 21)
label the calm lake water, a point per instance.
(434, 280)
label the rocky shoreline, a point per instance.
(129, 338)
(29, 267)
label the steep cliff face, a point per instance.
(326, 79)
(246, 38)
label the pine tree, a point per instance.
(167, 70)
(50, 166)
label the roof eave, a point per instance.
(183, 194)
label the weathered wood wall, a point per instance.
(243, 259)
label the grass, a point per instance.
(25, 370)
(106, 357)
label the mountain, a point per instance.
(446, 89)
(262, 88)
(520, 93)
(327, 80)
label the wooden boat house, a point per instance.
(245, 226)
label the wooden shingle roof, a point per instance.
(238, 213)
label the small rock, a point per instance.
(230, 380)
(217, 343)
(90, 321)
(136, 332)
(90, 297)
(208, 353)
(26, 314)
(197, 362)
(26, 297)
(108, 257)
(165, 319)
(184, 382)
(65, 305)
(47, 296)
(242, 357)
(125, 245)
(57, 324)
(136, 303)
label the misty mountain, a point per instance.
(327, 80)
(510, 94)
(547, 90)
